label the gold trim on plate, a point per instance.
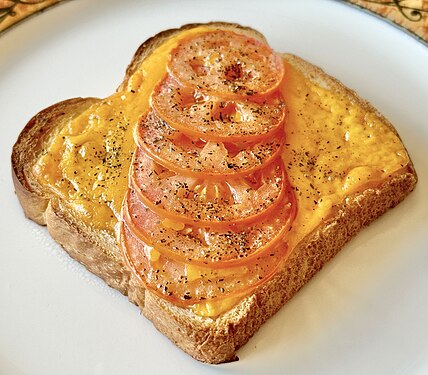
(14, 11)
(411, 15)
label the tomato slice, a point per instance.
(204, 202)
(187, 156)
(185, 284)
(211, 118)
(205, 246)
(230, 65)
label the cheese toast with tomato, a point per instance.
(216, 181)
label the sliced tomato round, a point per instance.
(204, 202)
(211, 118)
(185, 284)
(190, 156)
(229, 64)
(205, 246)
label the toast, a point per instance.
(214, 338)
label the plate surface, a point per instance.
(364, 313)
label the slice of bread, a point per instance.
(208, 339)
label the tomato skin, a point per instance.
(231, 65)
(205, 246)
(203, 203)
(191, 157)
(215, 119)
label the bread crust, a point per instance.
(205, 339)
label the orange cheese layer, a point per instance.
(334, 148)
(88, 158)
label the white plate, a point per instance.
(365, 313)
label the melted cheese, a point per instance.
(334, 148)
(86, 162)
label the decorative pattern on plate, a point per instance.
(411, 15)
(13, 11)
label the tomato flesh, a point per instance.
(188, 156)
(206, 246)
(216, 119)
(204, 202)
(229, 64)
(209, 203)
(186, 284)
